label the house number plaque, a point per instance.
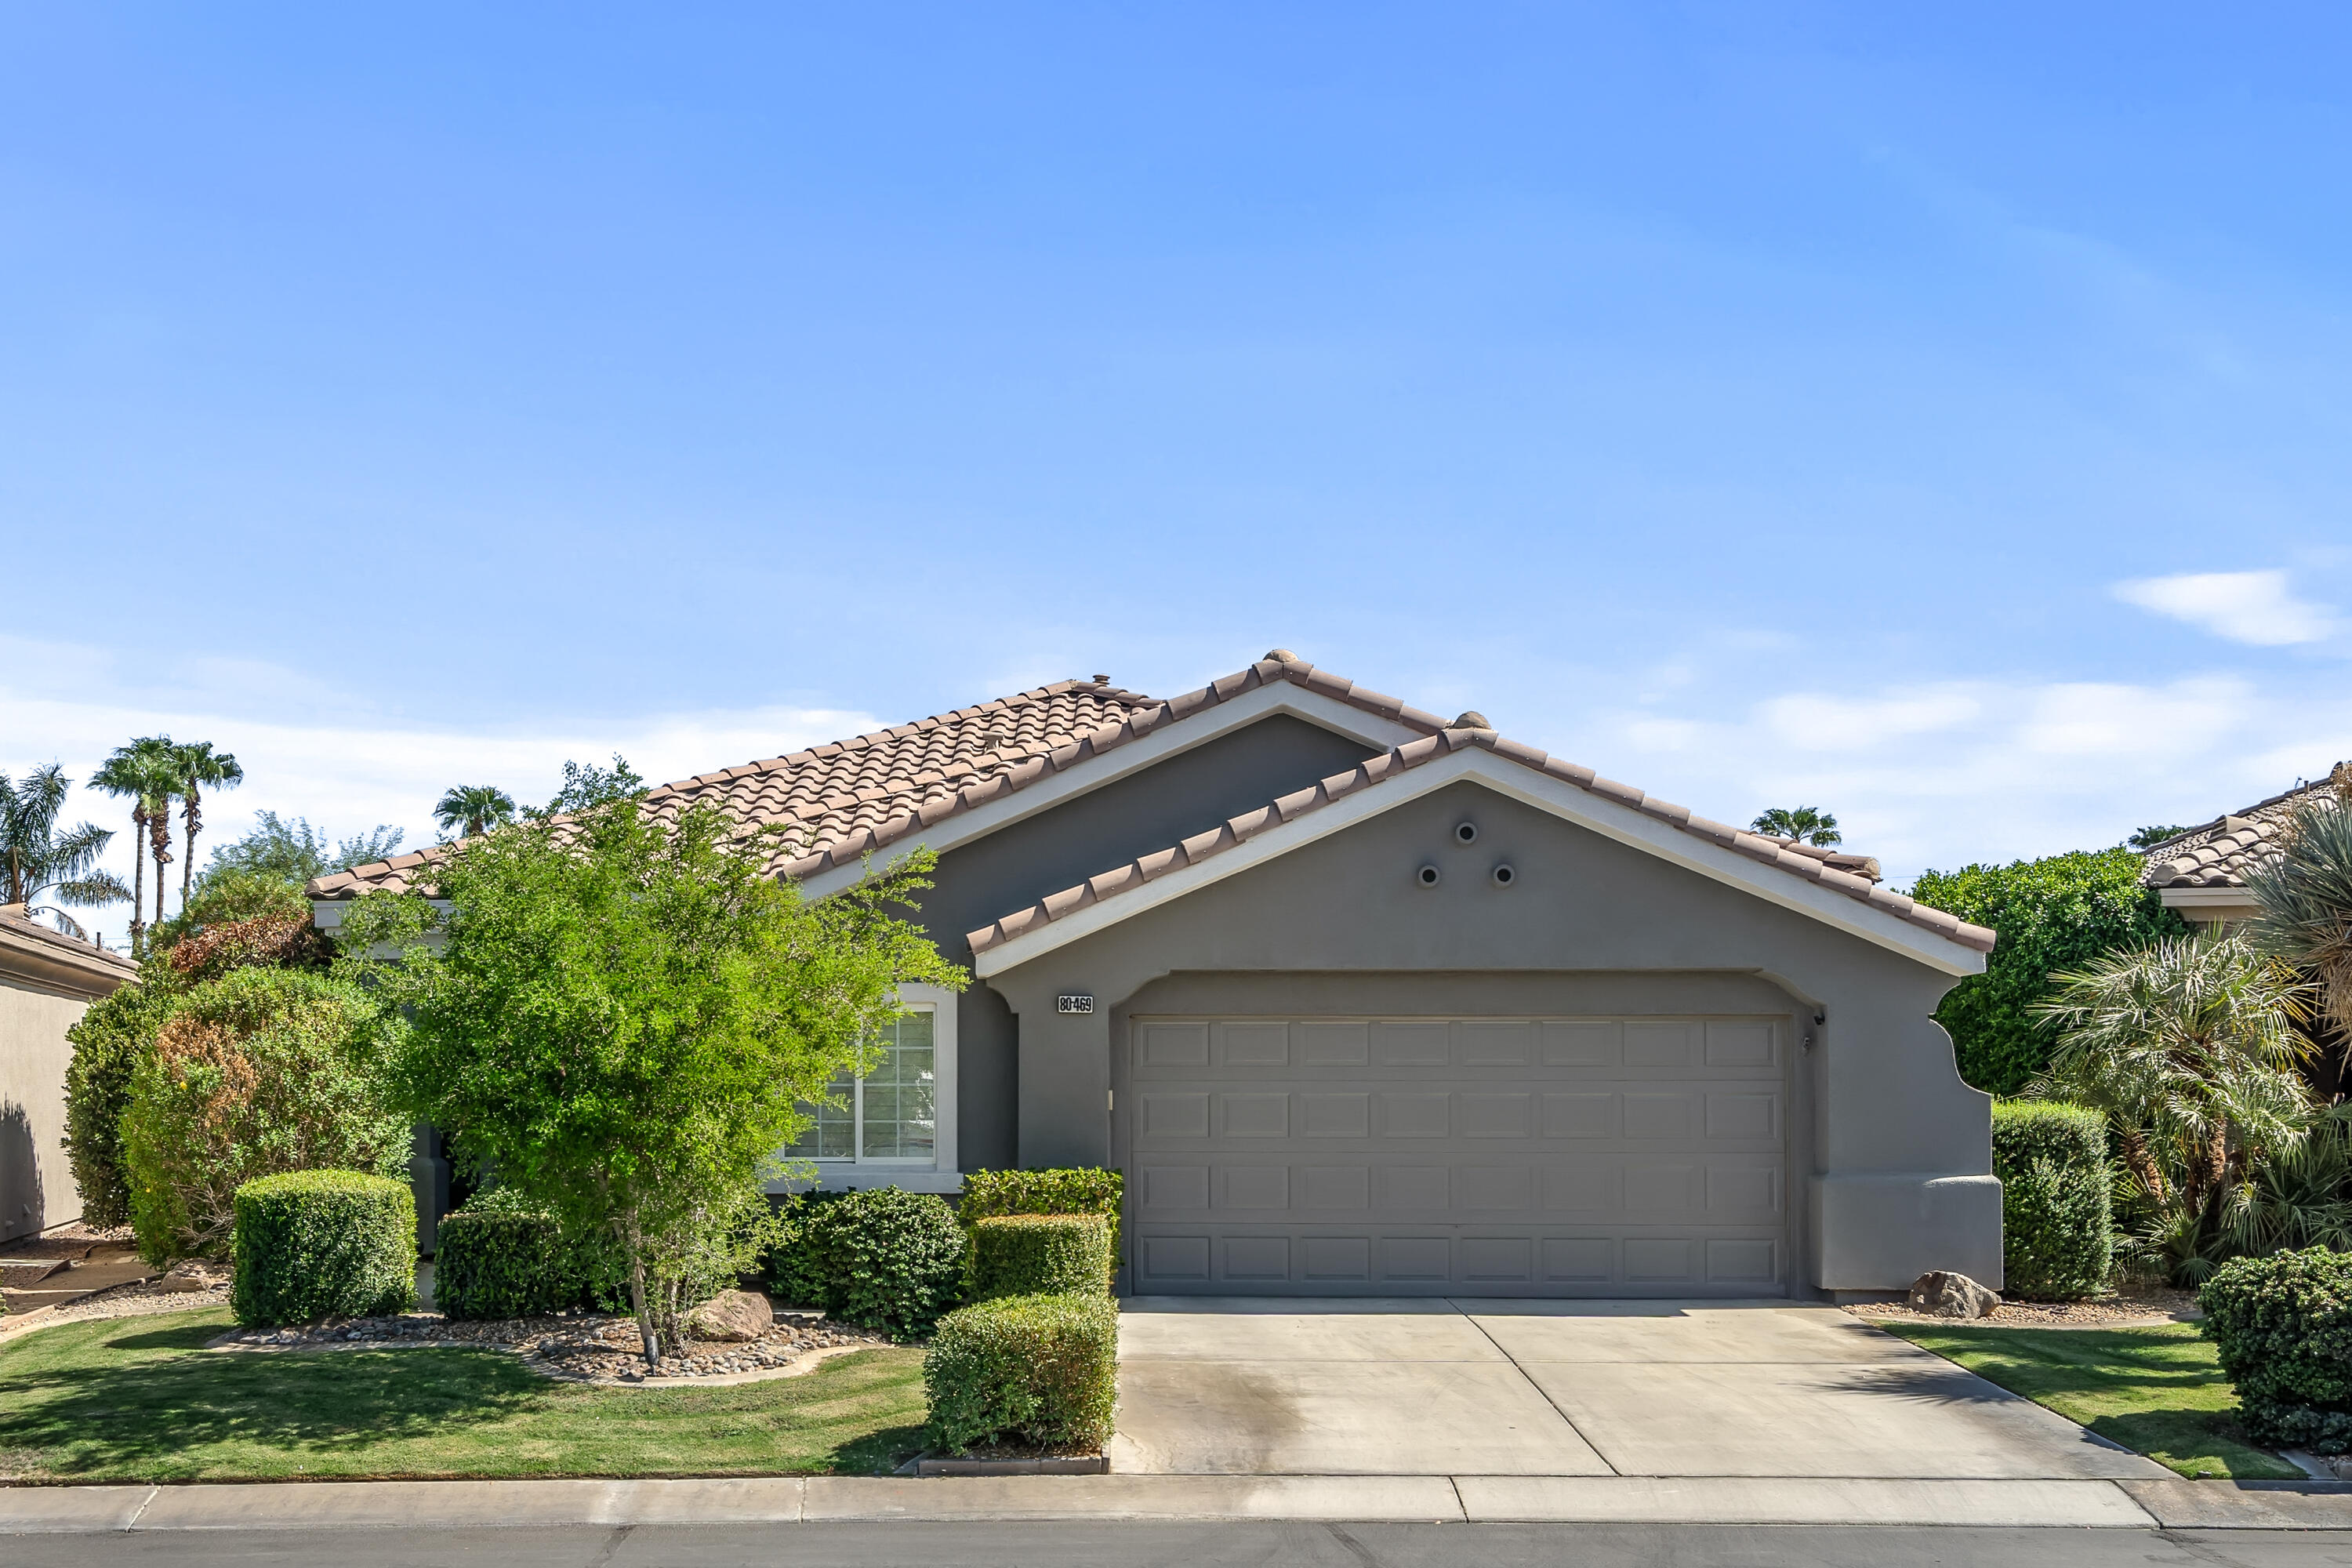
(1074, 1004)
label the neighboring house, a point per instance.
(1365, 1001)
(2202, 872)
(46, 981)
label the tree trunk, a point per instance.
(2143, 1164)
(637, 1301)
(138, 879)
(159, 846)
(192, 815)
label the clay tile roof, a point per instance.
(1856, 876)
(847, 798)
(2219, 854)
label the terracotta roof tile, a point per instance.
(1852, 875)
(2221, 853)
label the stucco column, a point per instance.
(1065, 1075)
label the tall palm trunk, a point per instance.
(159, 845)
(138, 878)
(192, 815)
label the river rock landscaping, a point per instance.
(584, 1347)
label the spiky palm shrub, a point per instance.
(2305, 895)
(2190, 1049)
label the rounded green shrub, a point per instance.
(2057, 1199)
(1040, 1254)
(501, 1258)
(260, 1072)
(2283, 1328)
(109, 1040)
(881, 1258)
(323, 1244)
(1033, 1370)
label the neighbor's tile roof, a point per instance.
(2221, 853)
(842, 801)
(1840, 872)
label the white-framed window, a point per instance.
(896, 1125)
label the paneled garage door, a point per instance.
(1479, 1156)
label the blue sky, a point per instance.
(1943, 421)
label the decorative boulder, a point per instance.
(192, 1274)
(732, 1317)
(1952, 1296)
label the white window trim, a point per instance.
(937, 1174)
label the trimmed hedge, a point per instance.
(2282, 1326)
(882, 1258)
(2057, 1199)
(1040, 1254)
(500, 1258)
(1069, 1189)
(1034, 1369)
(323, 1244)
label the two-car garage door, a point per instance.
(1545, 1156)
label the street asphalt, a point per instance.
(1140, 1544)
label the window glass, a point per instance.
(899, 1120)
(889, 1114)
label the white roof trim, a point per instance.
(2207, 898)
(1556, 796)
(1203, 725)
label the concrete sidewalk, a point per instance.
(783, 1501)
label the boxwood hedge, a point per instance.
(1040, 1254)
(2282, 1326)
(2057, 1199)
(882, 1258)
(1031, 1370)
(323, 1244)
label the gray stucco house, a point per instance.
(1367, 1001)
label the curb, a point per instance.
(784, 1499)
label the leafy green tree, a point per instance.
(1805, 823)
(2149, 837)
(37, 858)
(626, 1018)
(141, 773)
(473, 808)
(2058, 912)
(2191, 1047)
(199, 768)
(263, 872)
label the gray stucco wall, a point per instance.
(1186, 793)
(1898, 1155)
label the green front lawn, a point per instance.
(2157, 1390)
(138, 1399)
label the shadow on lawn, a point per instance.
(170, 1407)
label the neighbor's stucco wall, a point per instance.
(1899, 1152)
(979, 882)
(37, 1186)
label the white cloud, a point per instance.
(1944, 774)
(2245, 606)
(339, 765)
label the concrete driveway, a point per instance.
(1567, 1388)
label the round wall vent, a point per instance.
(1504, 876)
(1426, 876)
(1466, 833)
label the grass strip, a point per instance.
(138, 1399)
(2157, 1390)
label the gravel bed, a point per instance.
(584, 1347)
(2141, 1305)
(134, 1300)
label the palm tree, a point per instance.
(2304, 893)
(142, 773)
(198, 766)
(1804, 823)
(35, 858)
(479, 807)
(2190, 1049)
